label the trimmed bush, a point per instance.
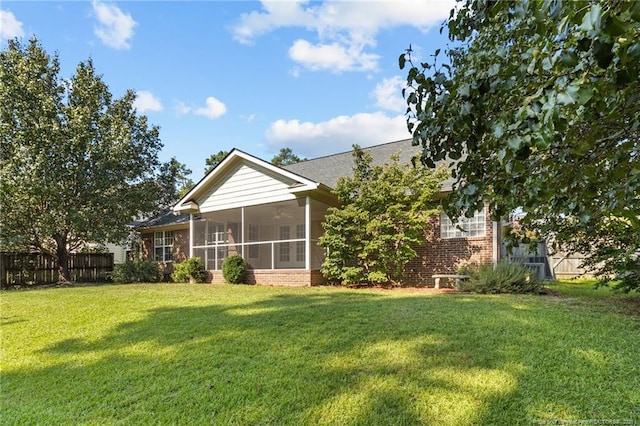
(505, 277)
(188, 270)
(234, 268)
(136, 271)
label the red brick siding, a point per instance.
(180, 245)
(280, 277)
(180, 248)
(444, 256)
(147, 245)
(436, 257)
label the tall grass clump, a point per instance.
(136, 271)
(504, 277)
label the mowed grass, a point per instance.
(246, 355)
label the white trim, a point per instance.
(187, 203)
(450, 229)
(307, 233)
(191, 234)
(242, 226)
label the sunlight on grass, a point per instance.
(203, 354)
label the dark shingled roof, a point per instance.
(328, 169)
(164, 218)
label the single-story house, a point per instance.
(273, 217)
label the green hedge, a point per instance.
(136, 271)
(234, 269)
(192, 268)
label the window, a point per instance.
(163, 246)
(216, 234)
(284, 247)
(300, 245)
(471, 227)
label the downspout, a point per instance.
(496, 248)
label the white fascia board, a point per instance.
(187, 204)
(186, 207)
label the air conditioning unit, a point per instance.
(538, 268)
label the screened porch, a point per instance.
(282, 235)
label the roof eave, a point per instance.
(187, 207)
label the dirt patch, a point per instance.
(419, 290)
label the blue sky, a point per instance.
(316, 77)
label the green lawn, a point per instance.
(245, 355)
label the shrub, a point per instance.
(384, 214)
(136, 271)
(234, 268)
(505, 277)
(188, 270)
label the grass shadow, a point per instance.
(336, 357)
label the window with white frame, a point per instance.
(284, 247)
(464, 227)
(163, 246)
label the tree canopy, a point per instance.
(538, 105)
(384, 213)
(283, 158)
(214, 160)
(286, 157)
(77, 164)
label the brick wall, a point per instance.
(438, 256)
(180, 249)
(444, 256)
(180, 245)
(280, 277)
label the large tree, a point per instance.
(384, 213)
(283, 158)
(286, 157)
(214, 160)
(538, 105)
(76, 164)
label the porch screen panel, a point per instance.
(269, 235)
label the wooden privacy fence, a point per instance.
(40, 269)
(547, 265)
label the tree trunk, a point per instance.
(62, 253)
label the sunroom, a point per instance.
(268, 215)
(282, 235)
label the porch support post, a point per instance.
(242, 240)
(307, 233)
(191, 232)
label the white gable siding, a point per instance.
(245, 184)
(119, 252)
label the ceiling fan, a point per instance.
(281, 214)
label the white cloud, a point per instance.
(115, 27)
(337, 134)
(10, 27)
(247, 118)
(342, 27)
(145, 101)
(334, 57)
(213, 109)
(388, 94)
(181, 108)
